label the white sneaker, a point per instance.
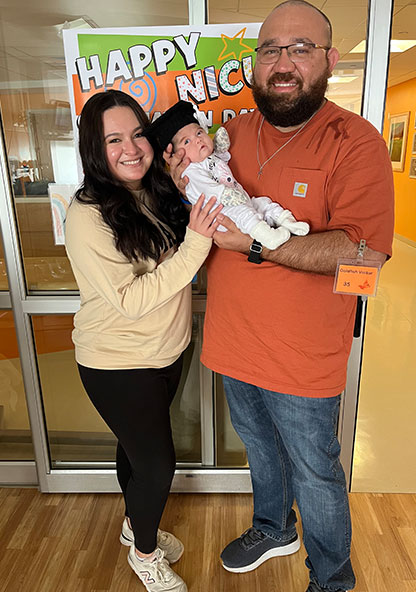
(156, 575)
(170, 545)
(126, 536)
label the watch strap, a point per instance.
(256, 249)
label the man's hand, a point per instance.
(177, 162)
(233, 239)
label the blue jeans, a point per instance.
(293, 453)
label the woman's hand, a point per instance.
(177, 162)
(201, 219)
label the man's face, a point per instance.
(288, 93)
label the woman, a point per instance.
(134, 258)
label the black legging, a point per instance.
(135, 405)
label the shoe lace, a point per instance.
(163, 573)
(251, 536)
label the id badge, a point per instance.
(358, 277)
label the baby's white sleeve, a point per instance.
(200, 181)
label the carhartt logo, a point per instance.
(146, 577)
(300, 189)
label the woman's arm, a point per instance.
(99, 268)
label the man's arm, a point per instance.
(317, 253)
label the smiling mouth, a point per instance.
(284, 84)
(131, 162)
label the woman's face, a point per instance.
(129, 154)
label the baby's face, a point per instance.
(196, 143)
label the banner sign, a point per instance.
(210, 65)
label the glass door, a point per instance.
(17, 459)
(385, 437)
(77, 436)
(74, 451)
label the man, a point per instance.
(276, 331)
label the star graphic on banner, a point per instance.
(231, 47)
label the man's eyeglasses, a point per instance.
(296, 52)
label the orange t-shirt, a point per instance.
(272, 326)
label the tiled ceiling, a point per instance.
(31, 51)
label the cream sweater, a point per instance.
(132, 315)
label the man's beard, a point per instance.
(284, 111)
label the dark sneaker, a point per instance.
(315, 588)
(253, 548)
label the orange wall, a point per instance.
(401, 99)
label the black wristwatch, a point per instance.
(256, 249)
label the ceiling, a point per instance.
(31, 52)
(349, 23)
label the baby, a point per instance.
(264, 220)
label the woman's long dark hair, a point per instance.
(134, 233)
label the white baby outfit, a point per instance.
(256, 216)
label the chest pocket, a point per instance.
(303, 191)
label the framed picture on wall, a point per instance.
(414, 144)
(412, 171)
(398, 139)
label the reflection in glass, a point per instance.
(77, 434)
(15, 434)
(230, 449)
(37, 123)
(185, 410)
(4, 284)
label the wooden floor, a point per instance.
(69, 543)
